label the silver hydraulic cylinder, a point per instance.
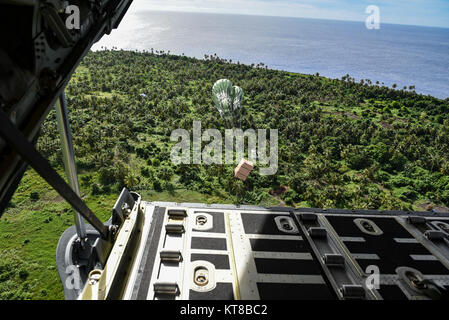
(69, 157)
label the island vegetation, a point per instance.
(342, 144)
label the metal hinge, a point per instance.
(352, 291)
(435, 235)
(417, 220)
(166, 288)
(316, 232)
(174, 228)
(171, 256)
(334, 260)
(177, 214)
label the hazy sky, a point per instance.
(414, 12)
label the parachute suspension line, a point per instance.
(15, 138)
(69, 157)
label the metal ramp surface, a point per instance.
(203, 252)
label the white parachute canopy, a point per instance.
(228, 100)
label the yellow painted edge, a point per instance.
(114, 258)
(236, 287)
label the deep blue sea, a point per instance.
(405, 55)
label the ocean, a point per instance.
(394, 54)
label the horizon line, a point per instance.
(293, 17)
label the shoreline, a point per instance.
(231, 61)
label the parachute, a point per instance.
(228, 101)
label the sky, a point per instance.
(433, 13)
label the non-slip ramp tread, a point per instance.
(284, 266)
(392, 292)
(261, 224)
(220, 261)
(273, 245)
(289, 291)
(391, 253)
(223, 291)
(208, 243)
(142, 283)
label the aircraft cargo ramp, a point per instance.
(224, 252)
